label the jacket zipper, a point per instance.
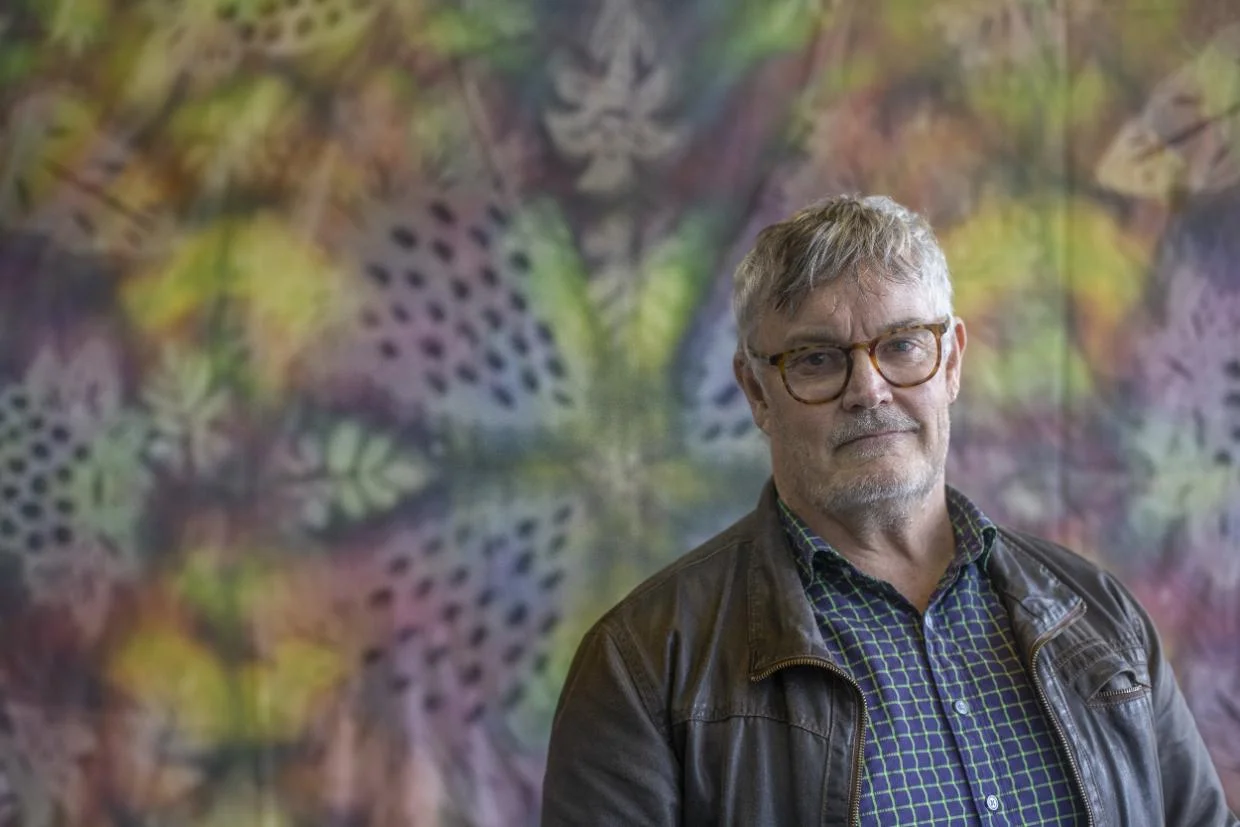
(1116, 694)
(863, 719)
(1050, 713)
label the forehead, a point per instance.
(856, 308)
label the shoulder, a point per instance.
(687, 588)
(1058, 558)
(1030, 562)
(678, 631)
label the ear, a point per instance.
(959, 338)
(742, 368)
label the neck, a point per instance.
(906, 534)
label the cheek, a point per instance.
(935, 422)
(798, 430)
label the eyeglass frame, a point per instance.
(779, 360)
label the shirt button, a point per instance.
(961, 706)
(992, 803)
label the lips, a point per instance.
(871, 435)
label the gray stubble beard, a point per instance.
(877, 500)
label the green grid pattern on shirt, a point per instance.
(928, 758)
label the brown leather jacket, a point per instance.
(706, 697)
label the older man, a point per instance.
(866, 646)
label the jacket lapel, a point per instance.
(1037, 601)
(781, 622)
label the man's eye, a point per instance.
(912, 345)
(816, 359)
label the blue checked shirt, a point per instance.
(956, 734)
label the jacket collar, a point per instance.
(1037, 600)
(782, 626)
(781, 621)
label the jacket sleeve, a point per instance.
(610, 761)
(1193, 794)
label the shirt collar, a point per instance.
(974, 531)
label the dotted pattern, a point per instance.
(463, 608)
(38, 455)
(716, 422)
(956, 733)
(286, 27)
(447, 322)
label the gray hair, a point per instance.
(840, 237)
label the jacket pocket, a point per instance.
(752, 770)
(1105, 677)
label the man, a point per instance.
(866, 646)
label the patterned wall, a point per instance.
(356, 354)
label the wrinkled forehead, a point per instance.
(866, 300)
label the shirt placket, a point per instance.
(944, 627)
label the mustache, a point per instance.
(871, 422)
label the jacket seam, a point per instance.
(826, 772)
(1106, 645)
(1130, 612)
(644, 690)
(711, 719)
(682, 566)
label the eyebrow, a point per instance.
(818, 337)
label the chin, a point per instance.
(860, 490)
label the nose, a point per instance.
(866, 387)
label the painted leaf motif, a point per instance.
(759, 29)
(83, 384)
(611, 121)
(216, 589)
(55, 744)
(560, 279)
(77, 23)
(349, 472)
(244, 133)
(52, 124)
(281, 693)
(1048, 252)
(112, 482)
(473, 27)
(199, 702)
(676, 274)
(240, 800)
(19, 58)
(78, 579)
(153, 762)
(108, 200)
(78, 181)
(342, 447)
(280, 288)
(188, 414)
(1187, 136)
(990, 36)
(1187, 380)
(198, 51)
(72, 456)
(167, 671)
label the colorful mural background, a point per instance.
(358, 353)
